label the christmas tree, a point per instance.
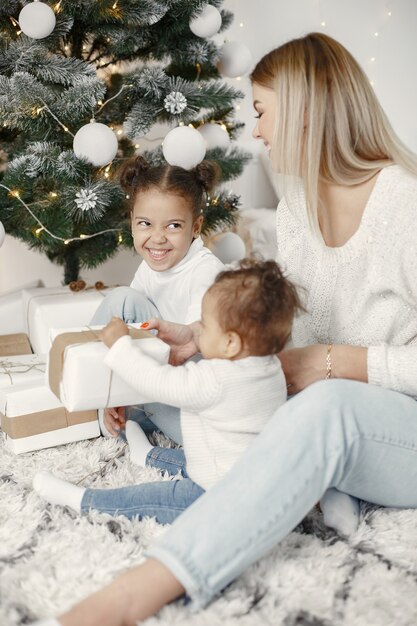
(125, 65)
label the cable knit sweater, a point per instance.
(363, 293)
(223, 403)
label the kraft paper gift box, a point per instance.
(57, 307)
(22, 369)
(79, 377)
(32, 418)
(17, 343)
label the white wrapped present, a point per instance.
(33, 418)
(22, 369)
(11, 315)
(80, 378)
(57, 307)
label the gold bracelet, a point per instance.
(329, 361)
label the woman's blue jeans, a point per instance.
(359, 438)
(162, 500)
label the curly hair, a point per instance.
(258, 302)
(138, 175)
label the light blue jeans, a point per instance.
(133, 306)
(128, 304)
(359, 438)
(162, 500)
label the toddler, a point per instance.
(225, 399)
(166, 217)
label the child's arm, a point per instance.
(183, 339)
(193, 386)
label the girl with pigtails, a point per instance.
(166, 204)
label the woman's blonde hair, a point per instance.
(329, 123)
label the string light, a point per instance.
(120, 238)
(53, 194)
(323, 24)
(39, 230)
(16, 194)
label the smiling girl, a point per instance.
(166, 204)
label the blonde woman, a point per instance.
(347, 232)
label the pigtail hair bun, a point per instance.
(132, 172)
(207, 174)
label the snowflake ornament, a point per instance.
(86, 199)
(175, 102)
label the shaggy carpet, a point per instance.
(50, 558)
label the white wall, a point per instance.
(267, 24)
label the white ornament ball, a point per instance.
(97, 143)
(235, 59)
(207, 23)
(2, 234)
(215, 136)
(228, 247)
(184, 146)
(37, 20)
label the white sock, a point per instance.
(139, 445)
(340, 511)
(58, 491)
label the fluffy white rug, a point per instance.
(50, 558)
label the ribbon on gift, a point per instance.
(15, 344)
(10, 369)
(64, 340)
(43, 422)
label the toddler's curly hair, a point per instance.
(258, 302)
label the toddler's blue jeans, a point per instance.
(163, 500)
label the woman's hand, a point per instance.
(304, 366)
(115, 329)
(182, 339)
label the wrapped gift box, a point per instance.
(57, 307)
(32, 418)
(23, 369)
(11, 317)
(80, 378)
(17, 343)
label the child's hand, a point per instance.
(115, 420)
(115, 329)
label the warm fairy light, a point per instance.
(66, 241)
(224, 127)
(106, 174)
(241, 24)
(237, 107)
(66, 129)
(180, 123)
(376, 34)
(57, 7)
(127, 196)
(115, 5)
(39, 230)
(66, 47)
(238, 78)
(190, 126)
(120, 238)
(137, 145)
(53, 194)
(372, 59)
(15, 193)
(323, 24)
(99, 102)
(120, 132)
(389, 13)
(83, 236)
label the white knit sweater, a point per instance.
(178, 292)
(223, 403)
(363, 293)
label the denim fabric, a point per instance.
(357, 437)
(156, 416)
(162, 500)
(128, 304)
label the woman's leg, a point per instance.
(128, 304)
(359, 438)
